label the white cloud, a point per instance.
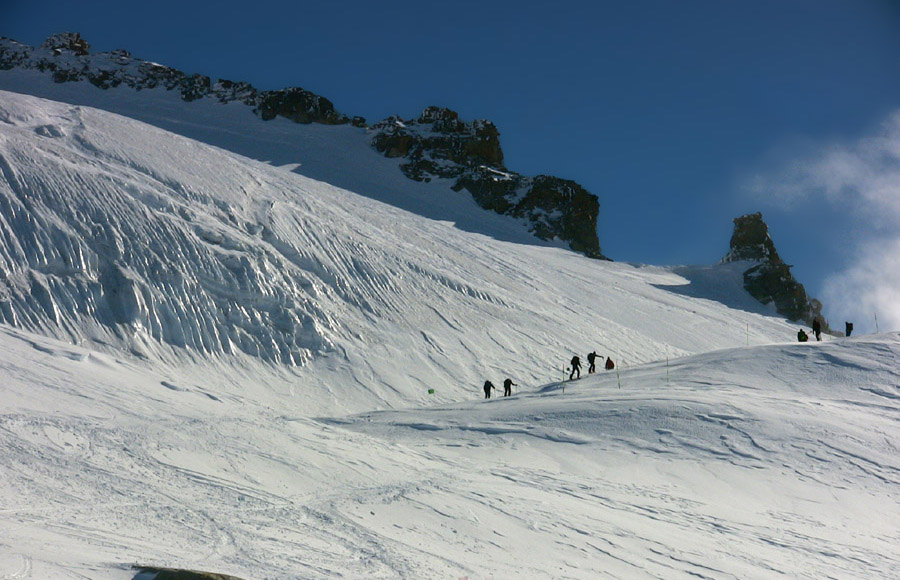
(864, 175)
(870, 287)
(861, 179)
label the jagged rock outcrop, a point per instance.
(770, 280)
(440, 145)
(436, 145)
(67, 41)
(299, 106)
(67, 57)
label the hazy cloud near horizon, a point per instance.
(861, 178)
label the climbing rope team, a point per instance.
(574, 367)
(575, 363)
(817, 330)
(508, 384)
(592, 365)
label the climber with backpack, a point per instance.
(592, 358)
(576, 367)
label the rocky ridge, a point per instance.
(435, 145)
(770, 280)
(67, 58)
(439, 145)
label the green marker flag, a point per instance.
(430, 391)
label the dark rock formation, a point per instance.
(769, 279)
(300, 106)
(14, 54)
(440, 145)
(436, 145)
(67, 42)
(751, 241)
(67, 58)
(152, 573)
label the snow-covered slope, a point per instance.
(341, 155)
(122, 234)
(763, 462)
(435, 146)
(210, 362)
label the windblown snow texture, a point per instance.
(122, 234)
(211, 363)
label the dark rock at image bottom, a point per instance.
(153, 573)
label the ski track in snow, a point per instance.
(249, 393)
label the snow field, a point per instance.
(124, 235)
(212, 363)
(747, 463)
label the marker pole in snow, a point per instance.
(618, 377)
(748, 334)
(876, 323)
(667, 364)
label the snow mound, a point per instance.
(763, 462)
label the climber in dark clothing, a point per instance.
(848, 327)
(592, 357)
(576, 367)
(488, 385)
(817, 329)
(801, 336)
(507, 387)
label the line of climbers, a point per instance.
(592, 357)
(508, 384)
(817, 330)
(592, 362)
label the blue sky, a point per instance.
(679, 115)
